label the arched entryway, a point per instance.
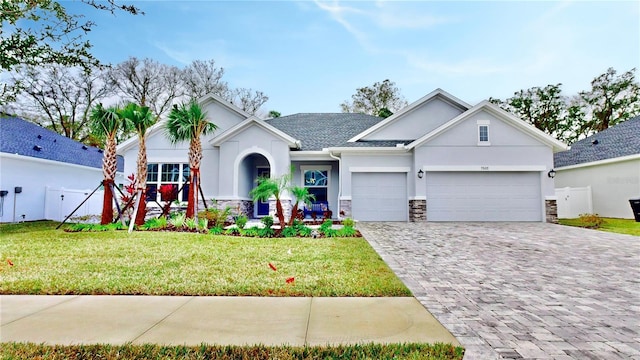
(252, 166)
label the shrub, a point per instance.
(203, 224)
(216, 230)
(591, 221)
(289, 231)
(346, 231)
(267, 221)
(330, 232)
(177, 220)
(326, 225)
(266, 232)
(348, 222)
(191, 223)
(304, 231)
(251, 232)
(215, 216)
(232, 231)
(241, 221)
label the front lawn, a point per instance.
(157, 352)
(620, 226)
(37, 259)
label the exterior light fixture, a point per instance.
(551, 173)
(420, 174)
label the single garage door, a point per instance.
(379, 196)
(483, 196)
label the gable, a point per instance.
(486, 111)
(440, 107)
(419, 121)
(465, 133)
(223, 114)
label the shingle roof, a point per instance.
(21, 137)
(622, 139)
(317, 131)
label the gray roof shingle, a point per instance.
(620, 140)
(21, 137)
(317, 131)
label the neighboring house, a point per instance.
(44, 174)
(438, 159)
(609, 163)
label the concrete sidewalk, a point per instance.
(183, 320)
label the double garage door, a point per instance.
(451, 196)
(483, 196)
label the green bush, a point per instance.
(326, 226)
(267, 221)
(215, 216)
(266, 232)
(241, 221)
(348, 222)
(190, 223)
(178, 220)
(251, 232)
(346, 231)
(289, 232)
(305, 231)
(591, 221)
(232, 231)
(216, 230)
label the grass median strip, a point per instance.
(620, 226)
(38, 259)
(109, 352)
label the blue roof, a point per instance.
(18, 136)
(620, 140)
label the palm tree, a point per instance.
(302, 196)
(141, 119)
(268, 187)
(187, 122)
(105, 123)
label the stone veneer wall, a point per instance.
(551, 211)
(345, 209)
(286, 208)
(237, 206)
(417, 210)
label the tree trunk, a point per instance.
(107, 203)
(109, 168)
(142, 180)
(193, 192)
(280, 213)
(294, 213)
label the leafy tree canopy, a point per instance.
(380, 99)
(611, 100)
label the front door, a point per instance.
(263, 206)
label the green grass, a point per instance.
(109, 352)
(49, 261)
(620, 226)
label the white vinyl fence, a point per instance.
(574, 201)
(59, 203)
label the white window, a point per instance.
(175, 175)
(483, 133)
(316, 180)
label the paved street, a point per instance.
(521, 290)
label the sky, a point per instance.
(310, 56)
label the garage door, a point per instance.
(379, 196)
(483, 196)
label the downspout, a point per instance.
(339, 179)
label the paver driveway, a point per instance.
(521, 290)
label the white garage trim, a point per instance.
(448, 168)
(374, 169)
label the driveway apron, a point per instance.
(521, 290)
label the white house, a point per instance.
(44, 175)
(438, 159)
(607, 162)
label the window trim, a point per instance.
(486, 124)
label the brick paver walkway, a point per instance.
(521, 290)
